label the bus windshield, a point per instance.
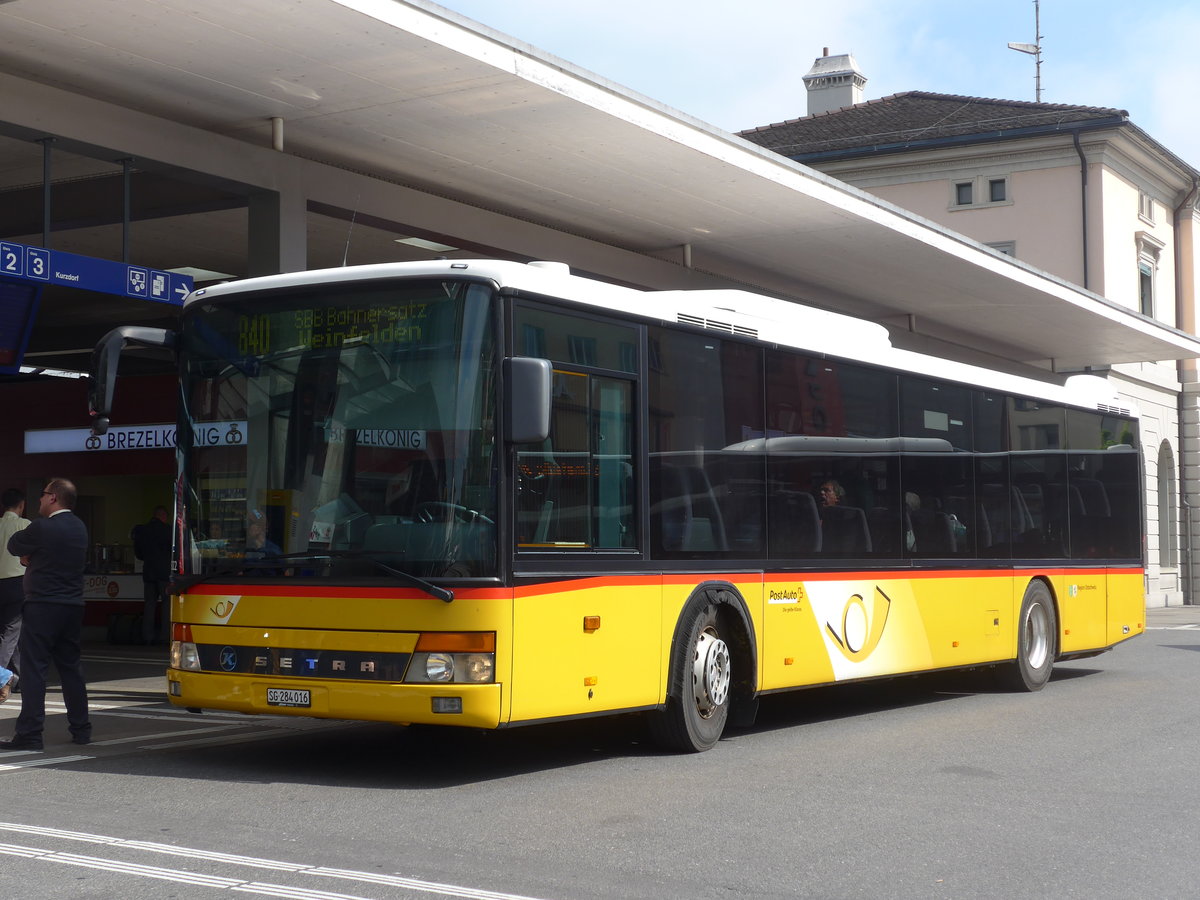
(349, 423)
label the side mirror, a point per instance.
(105, 357)
(527, 399)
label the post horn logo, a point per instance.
(862, 625)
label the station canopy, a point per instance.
(410, 96)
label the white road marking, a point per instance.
(17, 766)
(232, 884)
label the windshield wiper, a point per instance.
(289, 560)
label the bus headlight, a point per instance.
(479, 668)
(184, 655)
(439, 667)
(452, 668)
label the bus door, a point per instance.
(586, 630)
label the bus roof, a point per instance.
(732, 312)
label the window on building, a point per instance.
(1008, 248)
(1148, 250)
(1145, 206)
(1146, 288)
(1168, 514)
(987, 190)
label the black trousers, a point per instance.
(12, 596)
(154, 611)
(51, 632)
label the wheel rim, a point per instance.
(710, 673)
(1037, 636)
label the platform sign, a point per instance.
(88, 273)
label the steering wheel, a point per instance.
(441, 511)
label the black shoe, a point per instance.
(20, 743)
(81, 739)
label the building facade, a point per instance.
(1078, 192)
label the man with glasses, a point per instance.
(54, 551)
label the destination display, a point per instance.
(321, 327)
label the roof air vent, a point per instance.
(715, 325)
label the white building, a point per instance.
(1078, 192)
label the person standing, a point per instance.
(11, 574)
(54, 550)
(152, 545)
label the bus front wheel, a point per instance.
(1037, 630)
(698, 695)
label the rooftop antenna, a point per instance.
(350, 230)
(1034, 49)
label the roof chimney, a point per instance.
(833, 82)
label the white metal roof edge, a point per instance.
(772, 320)
(465, 36)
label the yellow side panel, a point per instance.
(826, 629)
(1126, 604)
(794, 650)
(1082, 603)
(561, 669)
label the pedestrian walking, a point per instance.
(54, 551)
(12, 573)
(152, 545)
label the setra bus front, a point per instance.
(337, 497)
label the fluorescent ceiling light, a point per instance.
(201, 274)
(423, 244)
(55, 373)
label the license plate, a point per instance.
(288, 697)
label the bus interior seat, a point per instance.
(1032, 499)
(795, 524)
(845, 531)
(933, 532)
(685, 514)
(1093, 496)
(886, 529)
(708, 524)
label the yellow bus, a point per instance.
(490, 494)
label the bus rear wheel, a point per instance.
(1037, 630)
(698, 695)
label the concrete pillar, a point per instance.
(1189, 491)
(278, 232)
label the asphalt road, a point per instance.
(930, 787)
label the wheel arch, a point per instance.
(734, 615)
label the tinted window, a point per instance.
(706, 486)
(832, 457)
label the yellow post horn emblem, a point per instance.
(862, 625)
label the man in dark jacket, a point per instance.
(152, 545)
(54, 551)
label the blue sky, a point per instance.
(738, 65)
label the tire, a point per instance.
(1037, 633)
(698, 692)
